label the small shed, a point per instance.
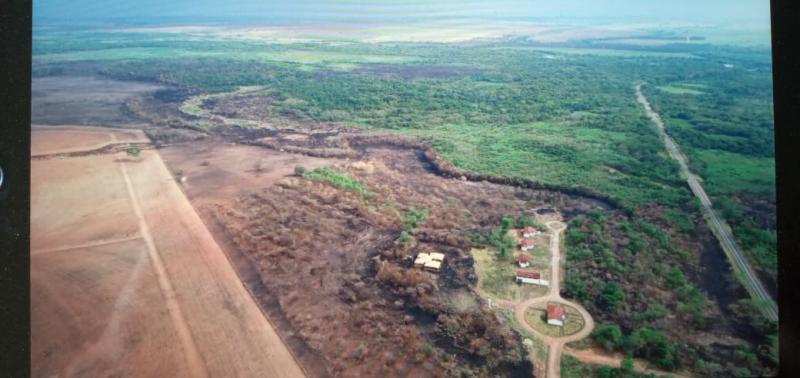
(531, 277)
(555, 314)
(523, 260)
(526, 244)
(433, 266)
(422, 258)
(530, 232)
(430, 261)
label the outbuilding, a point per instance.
(433, 266)
(530, 232)
(531, 277)
(523, 260)
(526, 244)
(555, 314)
(422, 258)
(437, 256)
(430, 261)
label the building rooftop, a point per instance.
(523, 258)
(528, 274)
(555, 311)
(526, 242)
(437, 256)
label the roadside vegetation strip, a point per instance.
(717, 225)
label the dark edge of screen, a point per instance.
(786, 64)
(15, 93)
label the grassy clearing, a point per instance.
(495, 278)
(728, 172)
(552, 152)
(537, 318)
(680, 90)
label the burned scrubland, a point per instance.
(340, 263)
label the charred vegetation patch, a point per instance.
(335, 260)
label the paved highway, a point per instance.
(717, 225)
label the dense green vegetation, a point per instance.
(616, 267)
(338, 178)
(727, 131)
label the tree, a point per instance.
(612, 295)
(627, 365)
(675, 278)
(506, 223)
(654, 346)
(299, 170)
(609, 336)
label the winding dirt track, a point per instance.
(717, 225)
(554, 295)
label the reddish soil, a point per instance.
(326, 261)
(126, 280)
(48, 140)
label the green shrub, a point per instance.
(609, 336)
(133, 151)
(337, 178)
(414, 218)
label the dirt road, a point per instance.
(554, 295)
(127, 281)
(593, 356)
(720, 229)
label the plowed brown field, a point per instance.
(125, 278)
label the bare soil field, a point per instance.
(47, 140)
(326, 260)
(126, 280)
(217, 171)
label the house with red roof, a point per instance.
(523, 260)
(530, 232)
(526, 244)
(556, 315)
